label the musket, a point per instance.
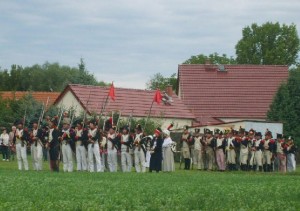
(104, 122)
(129, 120)
(43, 112)
(73, 116)
(85, 111)
(60, 116)
(118, 122)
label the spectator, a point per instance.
(5, 144)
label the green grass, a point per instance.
(181, 190)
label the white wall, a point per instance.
(68, 101)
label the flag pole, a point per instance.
(148, 115)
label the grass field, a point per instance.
(181, 190)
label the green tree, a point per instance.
(269, 44)
(286, 105)
(214, 58)
(161, 82)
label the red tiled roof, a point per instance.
(38, 96)
(242, 91)
(126, 100)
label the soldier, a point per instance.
(53, 144)
(291, 151)
(231, 154)
(220, 148)
(186, 140)
(36, 137)
(156, 151)
(269, 145)
(93, 147)
(81, 137)
(66, 137)
(198, 156)
(252, 163)
(258, 149)
(244, 150)
(139, 150)
(209, 143)
(112, 147)
(126, 141)
(281, 147)
(103, 148)
(21, 139)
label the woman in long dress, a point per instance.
(168, 156)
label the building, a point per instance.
(41, 97)
(218, 94)
(127, 101)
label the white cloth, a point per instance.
(81, 158)
(93, 152)
(168, 156)
(291, 162)
(4, 139)
(21, 156)
(112, 159)
(126, 161)
(67, 157)
(32, 150)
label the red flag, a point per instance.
(112, 91)
(157, 97)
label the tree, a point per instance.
(214, 58)
(269, 44)
(161, 82)
(286, 104)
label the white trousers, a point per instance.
(21, 156)
(32, 149)
(38, 157)
(139, 161)
(291, 162)
(67, 157)
(112, 160)
(126, 161)
(93, 152)
(81, 158)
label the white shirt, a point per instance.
(197, 143)
(4, 139)
(125, 138)
(167, 142)
(109, 142)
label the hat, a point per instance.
(139, 127)
(197, 130)
(93, 121)
(241, 130)
(34, 121)
(170, 126)
(66, 120)
(54, 120)
(216, 130)
(208, 131)
(279, 136)
(166, 132)
(114, 127)
(290, 138)
(78, 122)
(258, 134)
(157, 131)
(185, 127)
(251, 132)
(268, 133)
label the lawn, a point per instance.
(181, 190)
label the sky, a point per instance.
(128, 41)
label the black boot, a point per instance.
(260, 168)
(269, 167)
(230, 167)
(185, 164)
(188, 164)
(254, 168)
(265, 167)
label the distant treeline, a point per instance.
(46, 77)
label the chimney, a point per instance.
(169, 90)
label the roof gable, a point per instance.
(240, 91)
(126, 100)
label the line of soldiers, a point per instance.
(96, 149)
(241, 149)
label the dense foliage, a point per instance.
(46, 77)
(286, 105)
